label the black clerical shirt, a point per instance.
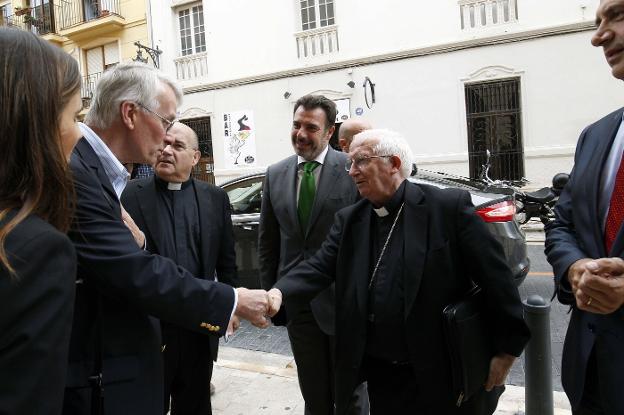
(181, 236)
(386, 338)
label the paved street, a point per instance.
(275, 339)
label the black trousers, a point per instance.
(314, 354)
(188, 370)
(591, 403)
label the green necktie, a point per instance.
(306, 193)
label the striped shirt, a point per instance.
(115, 171)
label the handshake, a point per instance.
(257, 305)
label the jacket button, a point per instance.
(591, 327)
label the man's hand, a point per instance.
(601, 286)
(575, 272)
(233, 325)
(275, 301)
(139, 236)
(253, 305)
(500, 365)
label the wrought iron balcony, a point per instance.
(75, 12)
(89, 83)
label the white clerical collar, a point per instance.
(174, 186)
(381, 212)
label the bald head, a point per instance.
(350, 128)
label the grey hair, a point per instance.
(132, 81)
(385, 143)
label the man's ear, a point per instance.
(196, 157)
(128, 110)
(396, 163)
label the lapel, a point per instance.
(206, 210)
(415, 242)
(148, 204)
(603, 137)
(290, 191)
(329, 175)
(84, 151)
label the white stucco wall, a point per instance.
(565, 82)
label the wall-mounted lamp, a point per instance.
(351, 84)
(287, 95)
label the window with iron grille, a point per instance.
(494, 123)
(192, 30)
(204, 170)
(316, 13)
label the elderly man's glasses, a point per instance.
(360, 162)
(166, 123)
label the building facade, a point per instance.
(516, 77)
(97, 33)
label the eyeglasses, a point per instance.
(361, 161)
(166, 123)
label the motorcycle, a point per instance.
(538, 204)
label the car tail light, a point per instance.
(500, 212)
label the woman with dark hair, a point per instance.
(40, 99)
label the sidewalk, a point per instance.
(251, 382)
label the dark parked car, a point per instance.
(495, 205)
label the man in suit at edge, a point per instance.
(115, 362)
(292, 227)
(585, 244)
(398, 258)
(348, 129)
(188, 221)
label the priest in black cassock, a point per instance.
(398, 257)
(188, 221)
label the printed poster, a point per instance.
(239, 139)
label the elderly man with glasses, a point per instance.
(398, 257)
(115, 361)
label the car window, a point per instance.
(245, 196)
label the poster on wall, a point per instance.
(342, 107)
(239, 139)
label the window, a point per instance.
(316, 13)
(5, 11)
(245, 196)
(494, 123)
(192, 31)
(98, 60)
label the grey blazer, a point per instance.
(283, 243)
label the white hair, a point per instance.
(385, 143)
(132, 81)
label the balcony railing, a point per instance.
(317, 42)
(75, 12)
(191, 66)
(40, 20)
(88, 87)
(53, 17)
(482, 13)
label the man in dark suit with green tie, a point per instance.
(301, 194)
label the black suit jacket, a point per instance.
(576, 233)
(445, 246)
(35, 320)
(119, 286)
(282, 244)
(140, 199)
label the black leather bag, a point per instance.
(469, 344)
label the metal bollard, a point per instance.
(538, 392)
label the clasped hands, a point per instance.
(257, 306)
(598, 284)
